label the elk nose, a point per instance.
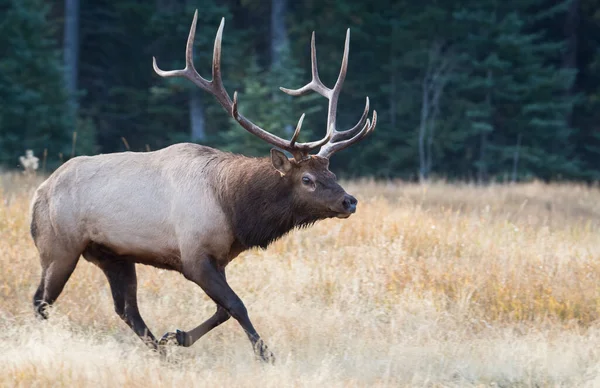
(349, 203)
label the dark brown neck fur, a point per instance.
(258, 201)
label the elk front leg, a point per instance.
(206, 274)
(188, 338)
(183, 338)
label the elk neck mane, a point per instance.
(258, 201)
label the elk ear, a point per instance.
(280, 162)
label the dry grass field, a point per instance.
(433, 285)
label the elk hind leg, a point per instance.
(56, 271)
(58, 257)
(38, 300)
(122, 279)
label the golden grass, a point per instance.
(427, 285)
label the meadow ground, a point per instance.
(433, 285)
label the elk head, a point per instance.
(306, 176)
(314, 187)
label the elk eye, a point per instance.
(306, 180)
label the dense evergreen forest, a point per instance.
(479, 90)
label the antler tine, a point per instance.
(330, 148)
(313, 61)
(342, 135)
(335, 92)
(216, 67)
(307, 147)
(315, 84)
(189, 71)
(217, 82)
(342, 76)
(297, 131)
(261, 133)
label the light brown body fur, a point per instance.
(150, 206)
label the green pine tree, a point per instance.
(33, 103)
(514, 96)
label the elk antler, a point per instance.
(216, 88)
(338, 139)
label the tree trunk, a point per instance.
(482, 173)
(197, 122)
(71, 51)
(423, 128)
(516, 159)
(570, 53)
(393, 100)
(196, 109)
(279, 38)
(482, 168)
(279, 45)
(435, 112)
(571, 25)
(440, 65)
(393, 78)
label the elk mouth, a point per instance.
(339, 212)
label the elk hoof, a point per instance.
(263, 353)
(170, 338)
(160, 350)
(41, 310)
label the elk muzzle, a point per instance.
(348, 206)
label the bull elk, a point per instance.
(187, 207)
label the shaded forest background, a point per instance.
(474, 90)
